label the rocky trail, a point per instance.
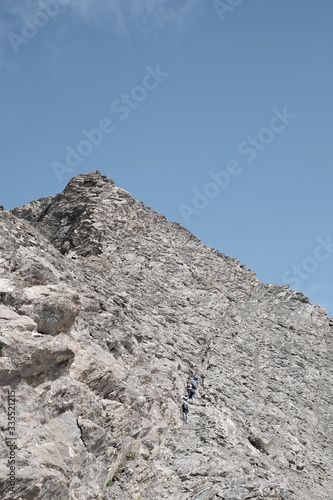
(106, 309)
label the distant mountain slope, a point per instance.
(106, 309)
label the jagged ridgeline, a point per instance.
(106, 312)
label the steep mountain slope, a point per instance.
(106, 309)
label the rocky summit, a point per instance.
(107, 311)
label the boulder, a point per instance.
(32, 357)
(54, 308)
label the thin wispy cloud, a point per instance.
(122, 15)
(22, 20)
(18, 11)
(142, 15)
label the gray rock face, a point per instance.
(106, 310)
(54, 308)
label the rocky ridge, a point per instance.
(105, 311)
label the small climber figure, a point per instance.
(185, 409)
(203, 359)
(235, 334)
(192, 394)
(202, 380)
(188, 388)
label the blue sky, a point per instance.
(216, 114)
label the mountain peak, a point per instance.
(90, 180)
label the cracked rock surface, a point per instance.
(106, 309)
